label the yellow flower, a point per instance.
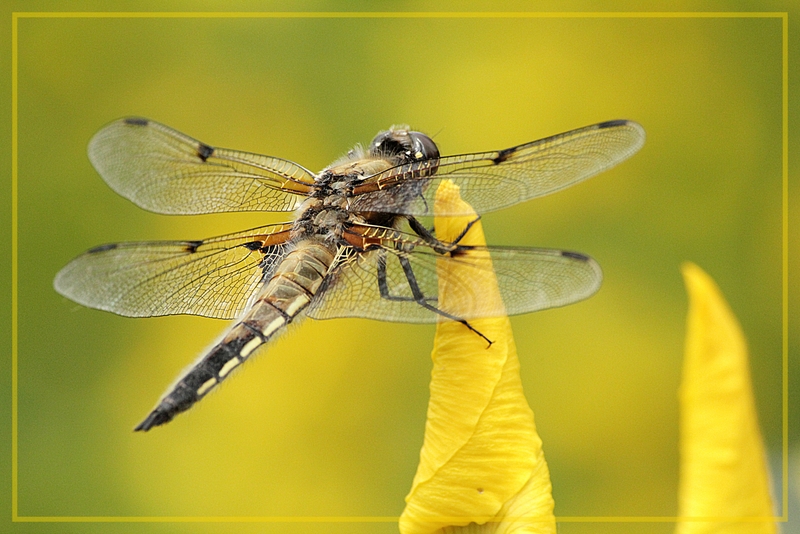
(723, 464)
(482, 468)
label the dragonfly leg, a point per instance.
(417, 295)
(421, 231)
(420, 299)
(383, 286)
(426, 234)
(460, 236)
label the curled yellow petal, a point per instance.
(724, 486)
(481, 467)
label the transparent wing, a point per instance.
(386, 282)
(493, 180)
(165, 171)
(213, 278)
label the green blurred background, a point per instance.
(329, 420)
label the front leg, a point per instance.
(383, 287)
(427, 235)
(420, 298)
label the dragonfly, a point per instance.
(356, 246)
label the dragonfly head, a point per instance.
(403, 145)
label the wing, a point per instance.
(387, 281)
(165, 171)
(213, 278)
(493, 180)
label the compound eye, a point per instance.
(388, 144)
(423, 147)
(404, 146)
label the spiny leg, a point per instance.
(441, 248)
(383, 287)
(466, 229)
(417, 295)
(419, 298)
(427, 235)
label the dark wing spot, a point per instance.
(102, 248)
(574, 255)
(191, 246)
(136, 121)
(503, 155)
(252, 245)
(204, 151)
(611, 124)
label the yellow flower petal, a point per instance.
(723, 467)
(481, 462)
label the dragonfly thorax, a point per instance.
(331, 220)
(324, 215)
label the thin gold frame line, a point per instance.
(398, 14)
(14, 273)
(15, 16)
(385, 519)
(785, 270)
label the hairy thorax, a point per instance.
(329, 210)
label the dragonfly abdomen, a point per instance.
(297, 278)
(239, 342)
(291, 288)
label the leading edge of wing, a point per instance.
(165, 171)
(498, 179)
